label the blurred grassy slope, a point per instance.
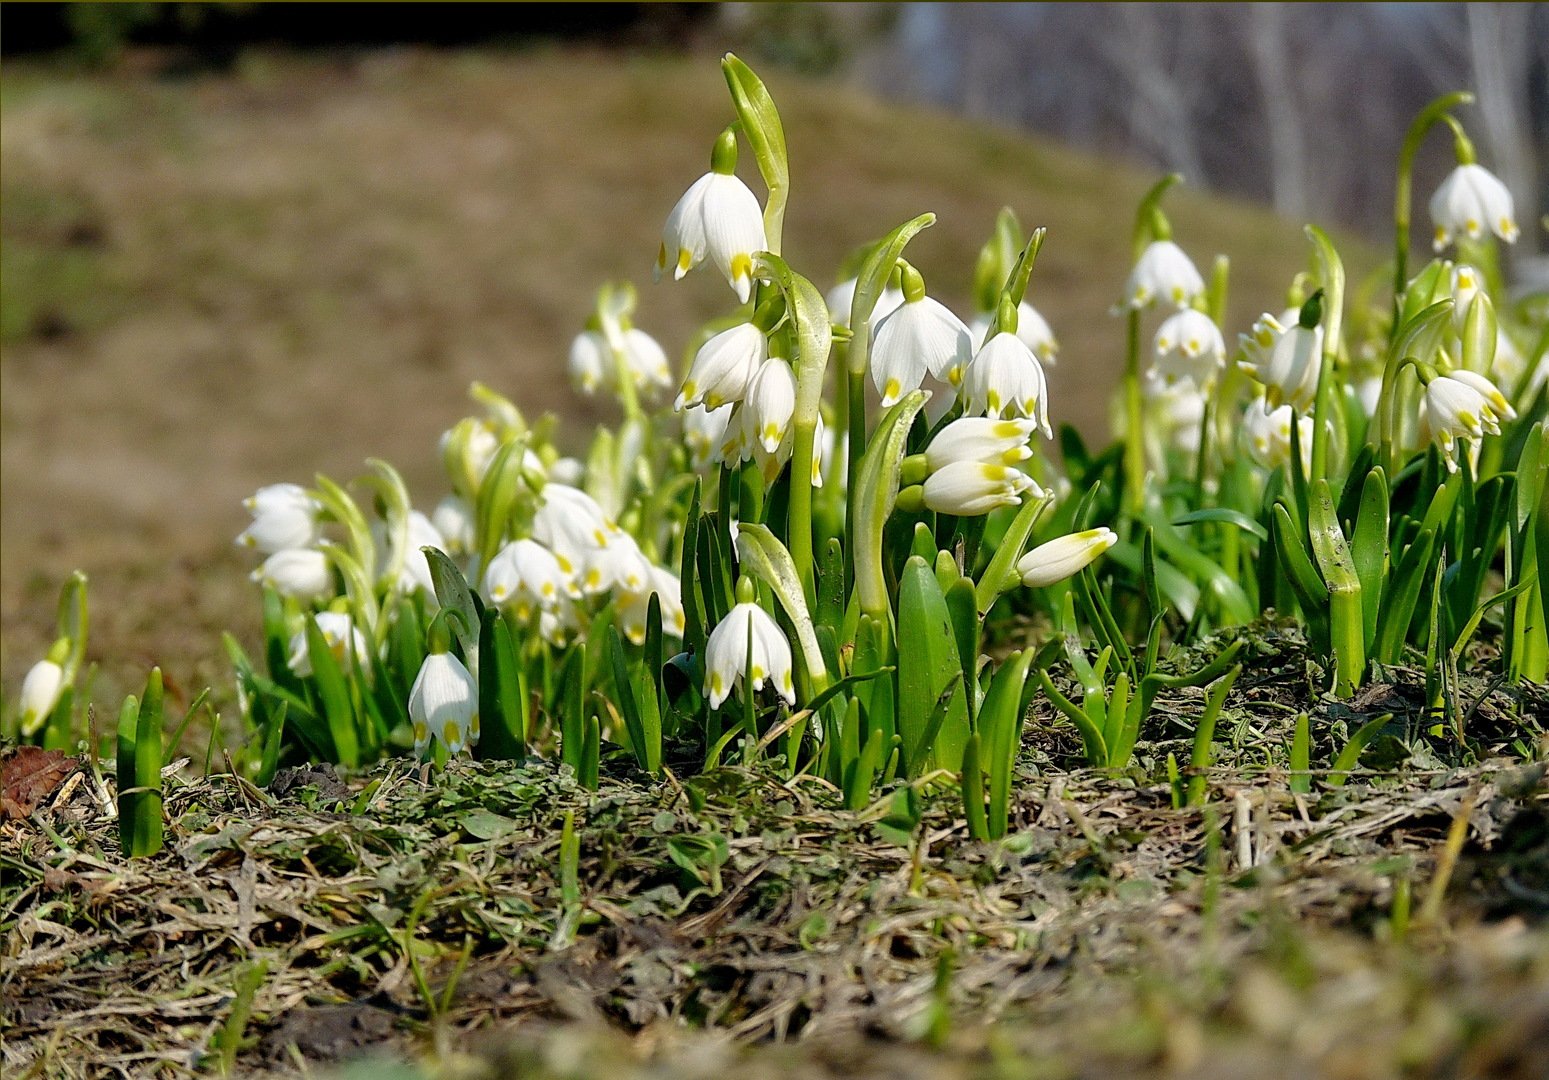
(218, 282)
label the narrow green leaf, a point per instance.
(1222, 515)
(928, 665)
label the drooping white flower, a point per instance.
(970, 488)
(841, 298)
(770, 403)
(723, 367)
(525, 577)
(40, 693)
(1470, 202)
(634, 606)
(415, 574)
(1188, 345)
(590, 361)
(704, 430)
(444, 704)
(1063, 557)
(621, 565)
(917, 337)
(1266, 435)
(1005, 378)
(569, 523)
(726, 655)
(344, 640)
(717, 218)
(1163, 274)
(453, 518)
(1462, 406)
(1286, 360)
(1465, 286)
(300, 573)
(594, 365)
(980, 438)
(284, 516)
(1032, 328)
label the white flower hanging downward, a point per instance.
(42, 688)
(1462, 406)
(1005, 379)
(1286, 360)
(1163, 274)
(920, 335)
(444, 701)
(1188, 346)
(717, 218)
(1470, 202)
(723, 367)
(284, 516)
(726, 654)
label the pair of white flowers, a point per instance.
(1458, 410)
(285, 528)
(970, 467)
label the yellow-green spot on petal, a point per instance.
(741, 266)
(421, 733)
(685, 260)
(890, 391)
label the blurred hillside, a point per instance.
(222, 280)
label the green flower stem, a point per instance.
(1436, 110)
(1333, 308)
(1134, 445)
(855, 386)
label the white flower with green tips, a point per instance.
(980, 438)
(1471, 202)
(444, 704)
(1188, 345)
(1063, 557)
(284, 516)
(524, 577)
(723, 368)
(717, 218)
(1163, 275)
(1286, 360)
(919, 336)
(300, 573)
(41, 690)
(1005, 379)
(727, 660)
(1032, 328)
(971, 488)
(345, 643)
(1462, 406)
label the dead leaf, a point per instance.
(28, 775)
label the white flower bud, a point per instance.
(1471, 202)
(980, 438)
(1063, 557)
(726, 655)
(300, 573)
(970, 488)
(40, 693)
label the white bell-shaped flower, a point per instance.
(1004, 378)
(1266, 435)
(980, 438)
(300, 573)
(1174, 412)
(344, 640)
(590, 362)
(525, 577)
(841, 298)
(919, 336)
(723, 368)
(284, 516)
(1462, 406)
(1063, 557)
(453, 518)
(770, 403)
(41, 689)
(717, 218)
(569, 523)
(1470, 202)
(726, 655)
(971, 488)
(1163, 274)
(416, 567)
(444, 704)
(634, 606)
(1466, 285)
(1032, 328)
(704, 430)
(1286, 360)
(1188, 345)
(621, 565)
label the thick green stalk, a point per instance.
(1134, 442)
(1428, 116)
(1333, 309)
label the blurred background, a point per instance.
(245, 243)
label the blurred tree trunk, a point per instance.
(1500, 46)
(1270, 48)
(1159, 102)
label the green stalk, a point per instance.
(1333, 308)
(1134, 446)
(1436, 110)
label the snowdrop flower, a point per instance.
(593, 365)
(453, 518)
(569, 523)
(620, 565)
(1471, 202)
(704, 430)
(526, 577)
(284, 516)
(1176, 411)
(344, 641)
(1461, 406)
(920, 335)
(770, 403)
(415, 574)
(1163, 273)
(300, 573)
(1286, 361)
(1465, 286)
(970, 488)
(717, 218)
(41, 690)
(634, 606)
(1063, 557)
(1188, 346)
(841, 298)
(1266, 434)
(726, 655)
(980, 438)
(590, 360)
(723, 368)
(444, 703)
(1032, 328)
(1005, 377)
